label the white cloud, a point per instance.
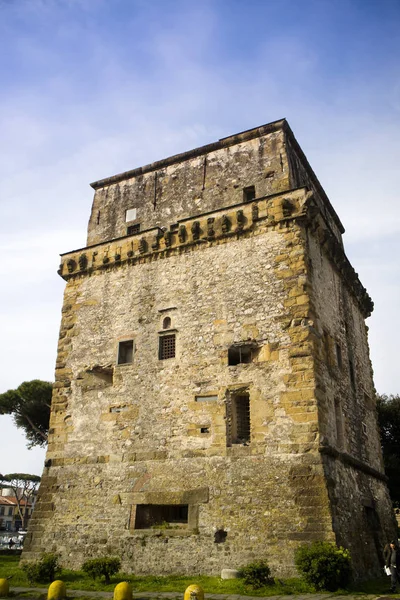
(93, 104)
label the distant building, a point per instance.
(10, 519)
(214, 401)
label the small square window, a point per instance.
(133, 229)
(130, 214)
(166, 347)
(125, 352)
(240, 354)
(249, 193)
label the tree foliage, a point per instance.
(388, 408)
(23, 487)
(29, 405)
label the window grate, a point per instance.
(167, 347)
(242, 418)
(133, 229)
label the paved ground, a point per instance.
(179, 595)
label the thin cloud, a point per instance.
(89, 91)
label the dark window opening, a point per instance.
(241, 354)
(327, 348)
(161, 515)
(166, 323)
(220, 536)
(339, 424)
(166, 347)
(98, 217)
(133, 229)
(125, 352)
(204, 430)
(352, 375)
(339, 356)
(249, 193)
(238, 419)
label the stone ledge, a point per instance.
(151, 244)
(349, 460)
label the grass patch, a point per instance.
(78, 580)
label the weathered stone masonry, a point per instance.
(214, 401)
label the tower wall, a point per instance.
(198, 413)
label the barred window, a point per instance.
(241, 419)
(166, 347)
(133, 229)
(238, 419)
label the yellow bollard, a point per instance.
(4, 588)
(57, 590)
(194, 592)
(123, 591)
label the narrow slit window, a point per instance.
(125, 352)
(339, 424)
(339, 356)
(352, 374)
(166, 346)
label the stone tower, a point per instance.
(214, 401)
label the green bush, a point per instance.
(43, 570)
(102, 567)
(324, 565)
(256, 574)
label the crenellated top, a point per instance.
(219, 226)
(208, 228)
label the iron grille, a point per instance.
(242, 419)
(167, 347)
(133, 229)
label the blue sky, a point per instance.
(90, 88)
